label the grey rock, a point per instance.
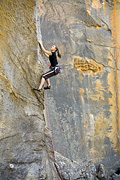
(83, 101)
(83, 118)
(101, 175)
(23, 152)
(115, 175)
(72, 170)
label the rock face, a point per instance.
(83, 103)
(23, 152)
(73, 170)
(84, 99)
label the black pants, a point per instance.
(54, 71)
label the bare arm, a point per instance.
(47, 55)
(44, 50)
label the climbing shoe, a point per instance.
(35, 89)
(47, 87)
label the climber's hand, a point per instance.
(44, 50)
(39, 43)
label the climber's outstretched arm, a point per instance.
(44, 50)
(47, 55)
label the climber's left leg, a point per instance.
(41, 83)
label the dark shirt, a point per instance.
(53, 59)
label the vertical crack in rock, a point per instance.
(51, 172)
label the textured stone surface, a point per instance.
(115, 175)
(84, 100)
(72, 170)
(23, 138)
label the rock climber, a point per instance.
(54, 68)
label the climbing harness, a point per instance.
(57, 67)
(56, 163)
